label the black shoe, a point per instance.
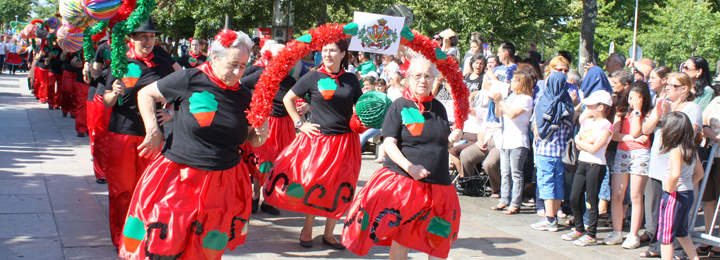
(64, 114)
(337, 246)
(81, 135)
(255, 203)
(101, 181)
(269, 209)
(50, 107)
(72, 116)
(306, 244)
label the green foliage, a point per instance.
(10, 8)
(683, 28)
(41, 9)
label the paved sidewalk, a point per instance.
(51, 207)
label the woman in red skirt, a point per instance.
(193, 201)
(126, 131)
(281, 130)
(317, 173)
(409, 203)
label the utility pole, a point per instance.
(227, 21)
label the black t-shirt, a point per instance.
(91, 92)
(429, 145)
(250, 78)
(159, 51)
(474, 85)
(56, 64)
(126, 119)
(188, 62)
(331, 109)
(210, 124)
(67, 64)
(45, 55)
(103, 55)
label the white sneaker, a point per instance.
(631, 242)
(613, 239)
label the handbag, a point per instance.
(571, 151)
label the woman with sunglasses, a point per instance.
(697, 69)
(678, 97)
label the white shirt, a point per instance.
(2, 48)
(394, 93)
(517, 128)
(589, 131)
(388, 70)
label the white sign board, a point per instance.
(377, 33)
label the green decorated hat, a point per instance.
(371, 108)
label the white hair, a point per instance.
(419, 59)
(242, 42)
(272, 46)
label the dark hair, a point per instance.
(678, 132)
(618, 58)
(609, 113)
(566, 55)
(624, 76)
(517, 58)
(477, 57)
(476, 42)
(369, 79)
(380, 82)
(535, 55)
(453, 40)
(643, 89)
(704, 79)
(343, 46)
(509, 47)
(535, 64)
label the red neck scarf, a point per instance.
(205, 68)
(147, 60)
(410, 96)
(195, 56)
(325, 71)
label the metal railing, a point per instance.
(699, 237)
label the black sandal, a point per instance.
(101, 181)
(648, 254)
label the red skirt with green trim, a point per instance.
(418, 215)
(316, 175)
(181, 212)
(281, 133)
(249, 161)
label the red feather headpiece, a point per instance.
(226, 37)
(36, 21)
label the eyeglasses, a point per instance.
(563, 70)
(437, 39)
(674, 86)
(427, 77)
(686, 68)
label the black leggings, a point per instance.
(588, 177)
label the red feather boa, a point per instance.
(127, 7)
(280, 66)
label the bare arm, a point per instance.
(258, 136)
(504, 108)
(598, 143)
(95, 69)
(146, 98)
(289, 102)
(111, 96)
(698, 172)
(675, 168)
(176, 66)
(391, 149)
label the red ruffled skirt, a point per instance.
(316, 175)
(281, 133)
(13, 59)
(249, 161)
(178, 211)
(418, 215)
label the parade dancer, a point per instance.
(193, 201)
(317, 173)
(126, 131)
(410, 203)
(194, 57)
(281, 130)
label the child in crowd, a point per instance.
(682, 171)
(380, 85)
(592, 141)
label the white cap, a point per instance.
(598, 97)
(371, 74)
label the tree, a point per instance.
(10, 8)
(42, 9)
(587, 33)
(683, 28)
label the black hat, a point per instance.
(147, 27)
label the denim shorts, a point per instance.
(636, 162)
(550, 177)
